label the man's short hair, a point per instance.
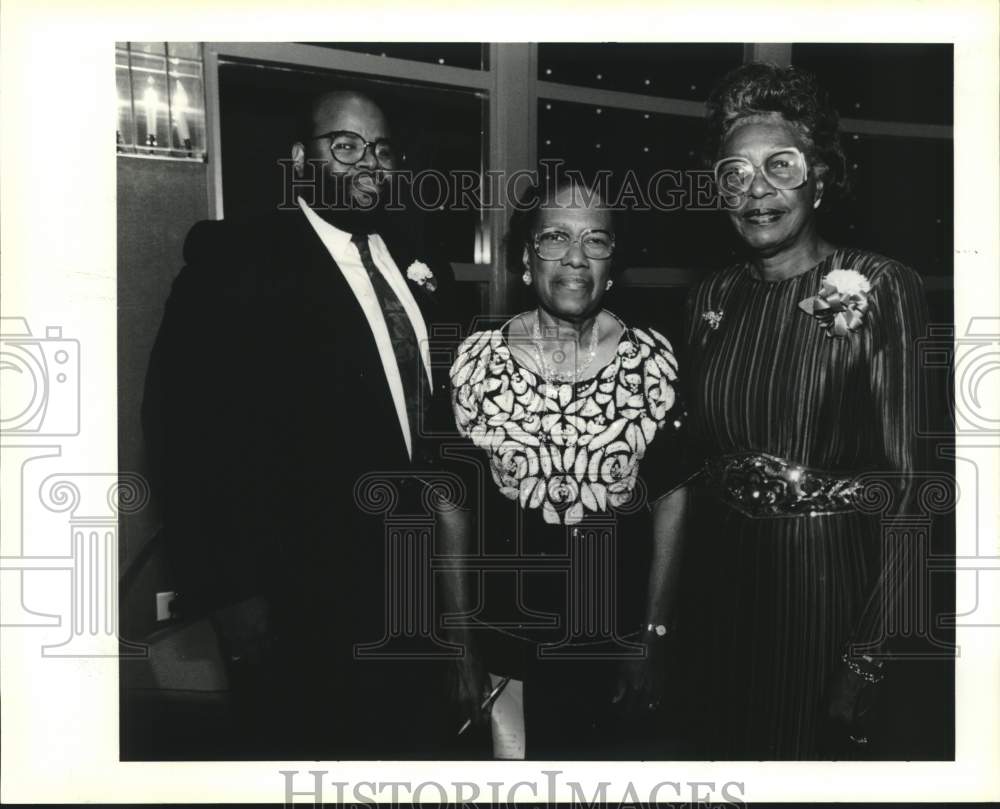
(306, 113)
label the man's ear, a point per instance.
(298, 157)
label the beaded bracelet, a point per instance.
(865, 667)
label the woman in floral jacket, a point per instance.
(802, 384)
(575, 466)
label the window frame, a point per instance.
(512, 84)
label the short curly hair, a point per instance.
(761, 88)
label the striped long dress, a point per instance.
(777, 599)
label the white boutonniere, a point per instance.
(841, 303)
(421, 275)
(713, 319)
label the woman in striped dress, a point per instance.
(802, 378)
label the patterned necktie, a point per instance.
(404, 338)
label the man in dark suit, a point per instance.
(291, 363)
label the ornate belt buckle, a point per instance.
(761, 485)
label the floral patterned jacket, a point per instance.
(567, 449)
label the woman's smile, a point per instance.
(762, 217)
(573, 283)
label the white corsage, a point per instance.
(421, 275)
(841, 303)
(847, 282)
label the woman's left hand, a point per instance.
(642, 681)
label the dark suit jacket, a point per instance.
(265, 403)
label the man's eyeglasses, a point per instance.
(350, 148)
(553, 245)
(783, 168)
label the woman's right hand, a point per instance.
(642, 682)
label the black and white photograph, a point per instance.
(513, 411)
(586, 382)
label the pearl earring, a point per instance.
(609, 284)
(526, 278)
(817, 202)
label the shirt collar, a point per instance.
(339, 238)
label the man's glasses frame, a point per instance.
(761, 167)
(373, 144)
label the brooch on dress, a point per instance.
(421, 275)
(713, 319)
(841, 303)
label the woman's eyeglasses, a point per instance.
(783, 168)
(553, 245)
(350, 148)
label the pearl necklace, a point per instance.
(555, 375)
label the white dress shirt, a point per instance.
(348, 259)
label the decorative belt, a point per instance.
(760, 485)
